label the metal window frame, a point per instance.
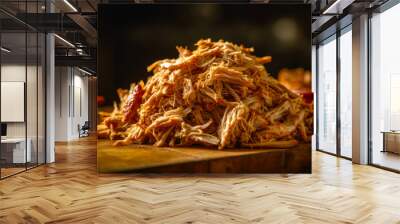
(381, 9)
(27, 27)
(337, 34)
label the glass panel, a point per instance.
(13, 91)
(385, 84)
(32, 86)
(23, 84)
(41, 98)
(346, 94)
(327, 96)
(31, 98)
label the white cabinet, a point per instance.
(16, 147)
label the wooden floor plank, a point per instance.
(71, 191)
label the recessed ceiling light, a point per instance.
(5, 50)
(84, 71)
(64, 40)
(337, 7)
(70, 5)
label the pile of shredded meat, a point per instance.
(217, 95)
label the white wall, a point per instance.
(80, 110)
(61, 103)
(15, 72)
(71, 102)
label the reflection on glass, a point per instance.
(31, 97)
(22, 91)
(346, 94)
(14, 150)
(41, 99)
(385, 86)
(327, 96)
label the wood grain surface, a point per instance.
(151, 159)
(71, 191)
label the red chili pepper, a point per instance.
(100, 100)
(132, 104)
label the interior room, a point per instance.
(60, 77)
(22, 103)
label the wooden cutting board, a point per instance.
(151, 159)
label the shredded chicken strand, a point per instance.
(217, 95)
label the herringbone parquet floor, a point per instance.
(71, 191)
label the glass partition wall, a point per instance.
(345, 92)
(22, 100)
(326, 110)
(13, 89)
(385, 89)
(334, 93)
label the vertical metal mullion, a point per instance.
(60, 88)
(73, 92)
(316, 96)
(338, 100)
(37, 90)
(369, 79)
(26, 85)
(45, 87)
(69, 93)
(45, 95)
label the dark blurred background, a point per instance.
(131, 37)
